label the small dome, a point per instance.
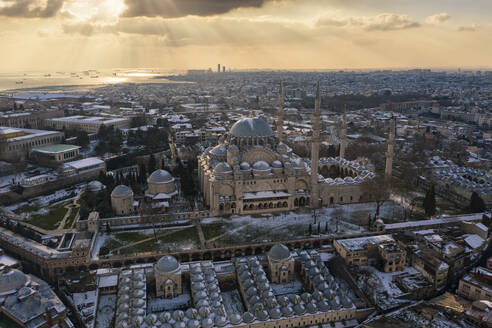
(222, 167)
(167, 264)
(95, 186)
(279, 252)
(245, 166)
(219, 150)
(261, 166)
(277, 164)
(122, 191)
(299, 163)
(233, 149)
(160, 176)
(251, 127)
(12, 280)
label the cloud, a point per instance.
(30, 8)
(468, 28)
(381, 22)
(438, 18)
(200, 31)
(181, 8)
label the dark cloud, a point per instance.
(30, 8)
(181, 8)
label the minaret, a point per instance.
(343, 135)
(280, 114)
(315, 151)
(390, 152)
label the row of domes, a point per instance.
(224, 167)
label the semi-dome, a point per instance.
(222, 167)
(251, 127)
(167, 264)
(160, 176)
(121, 191)
(279, 252)
(261, 166)
(12, 280)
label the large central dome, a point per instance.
(251, 127)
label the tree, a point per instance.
(429, 202)
(376, 190)
(477, 204)
(152, 163)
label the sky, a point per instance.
(244, 34)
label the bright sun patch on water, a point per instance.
(115, 79)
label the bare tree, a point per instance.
(376, 190)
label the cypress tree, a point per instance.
(430, 202)
(477, 204)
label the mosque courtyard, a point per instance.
(221, 232)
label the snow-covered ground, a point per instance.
(167, 304)
(232, 302)
(384, 290)
(105, 310)
(293, 287)
(86, 304)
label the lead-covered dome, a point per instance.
(121, 191)
(12, 280)
(95, 186)
(251, 127)
(279, 252)
(261, 166)
(167, 264)
(160, 176)
(222, 167)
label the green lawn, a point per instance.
(50, 220)
(7, 323)
(71, 218)
(169, 239)
(26, 208)
(212, 230)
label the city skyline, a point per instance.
(261, 34)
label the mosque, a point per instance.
(252, 171)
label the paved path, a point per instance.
(201, 236)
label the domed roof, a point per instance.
(12, 280)
(222, 167)
(261, 166)
(244, 166)
(95, 186)
(122, 191)
(279, 252)
(276, 164)
(219, 150)
(299, 163)
(251, 127)
(160, 176)
(167, 264)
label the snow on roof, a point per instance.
(442, 220)
(56, 148)
(474, 241)
(84, 163)
(107, 281)
(265, 194)
(360, 243)
(88, 119)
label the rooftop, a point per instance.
(59, 148)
